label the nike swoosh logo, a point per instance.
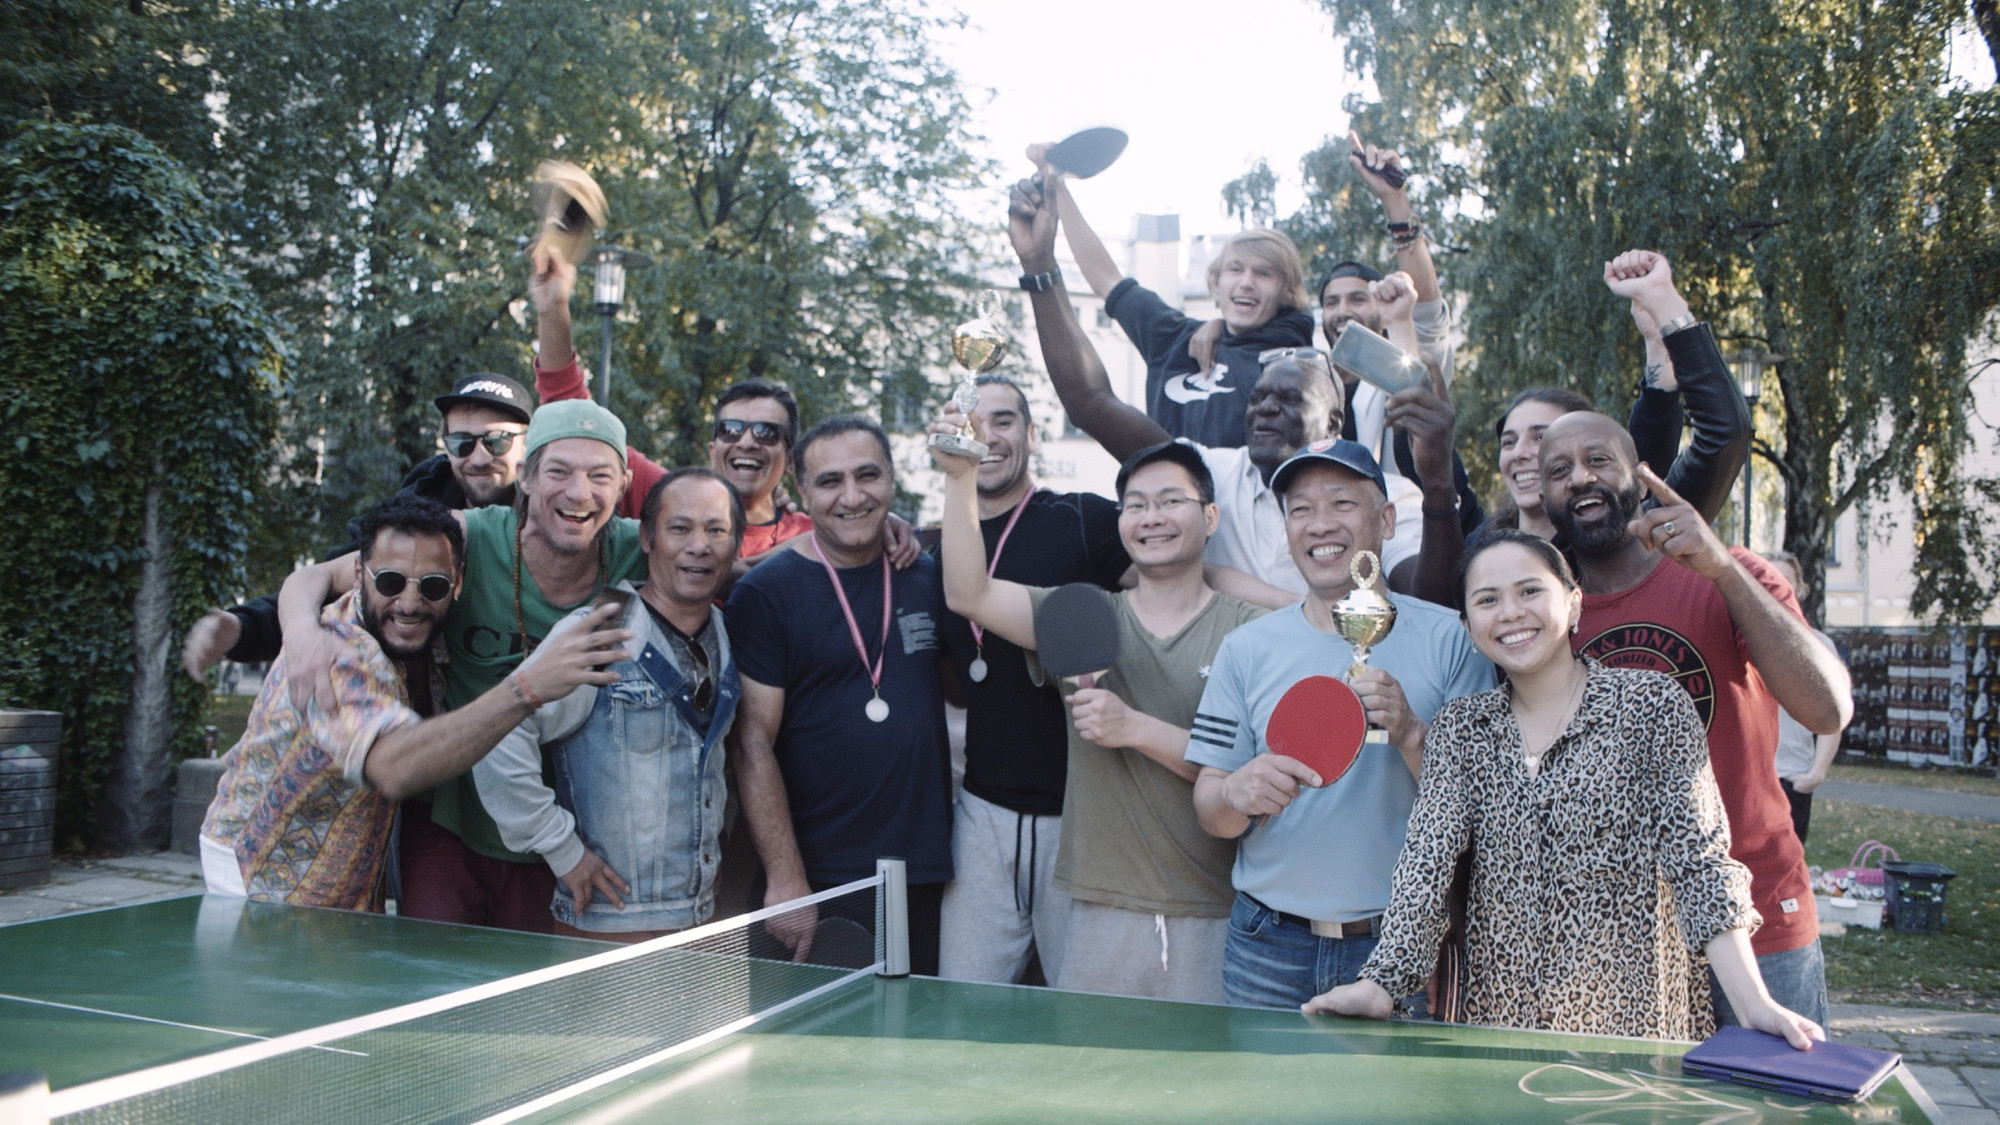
(1194, 388)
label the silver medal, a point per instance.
(978, 669)
(877, 710)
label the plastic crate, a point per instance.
(1916, 895)
(1853, 912)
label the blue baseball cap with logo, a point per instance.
(1349, 455)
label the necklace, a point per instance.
(528, 643)
(877, 709)
(1533, 756)
(977, 670)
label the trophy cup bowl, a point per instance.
(1364, 617)
(978, 345)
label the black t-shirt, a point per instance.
(1209, 411)
(1017, 734)
(859, 790)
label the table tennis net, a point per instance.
(510, 1048)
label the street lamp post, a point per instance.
(611, 264)
(1750, 364)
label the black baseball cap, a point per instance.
(1181, 453)
(1350, 455)
(487, 389)
(1349, 269)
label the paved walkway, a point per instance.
(1937, 802)
(1956, 1055)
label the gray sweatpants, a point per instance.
(1127, 953)
(1002, 900)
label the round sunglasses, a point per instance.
(390, 583)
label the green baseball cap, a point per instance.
(576, 417)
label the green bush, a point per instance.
(139, 362)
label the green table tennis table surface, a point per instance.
(916, 1050)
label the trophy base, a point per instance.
(958, 445)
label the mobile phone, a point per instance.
(1365, 355)
(610, 596)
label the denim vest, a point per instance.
(647, 789)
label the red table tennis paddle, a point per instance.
(1319, 721)
(1076, 632)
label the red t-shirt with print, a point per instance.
(1675, 621)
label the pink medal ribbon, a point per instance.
(977, 670)
(877, 709)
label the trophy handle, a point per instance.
(1374, 569)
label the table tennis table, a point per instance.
(95, 995)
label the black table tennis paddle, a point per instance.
(1076, 632)
(1084, 154)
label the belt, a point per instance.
(1360, 927)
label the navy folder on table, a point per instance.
(1830, 1072)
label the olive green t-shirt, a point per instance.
(483, 643)
(1129, 834)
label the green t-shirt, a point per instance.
(1130, 838)
(483, 643)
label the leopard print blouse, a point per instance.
(1595, 885)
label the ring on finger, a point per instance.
(1667, 528)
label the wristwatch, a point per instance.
(1685, 320)
(1040, 282)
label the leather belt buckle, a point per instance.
(1360, 927)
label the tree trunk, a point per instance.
(138, 801)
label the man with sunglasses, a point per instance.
(630, 828)
(303, 810)
(527, 567)
(485, 417)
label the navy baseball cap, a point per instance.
(1180, 453)
(1349, 455)
(487, 389)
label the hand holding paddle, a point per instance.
(1381, 168)
(1082, 154)
(1102, 717)
(1318, 725)
(1267, 784)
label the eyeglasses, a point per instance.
(731, 429)
(1272, 355)
(1168, 505)
(390, 583)
(497, 442)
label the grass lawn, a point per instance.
(1888, 774)
(1959, 965)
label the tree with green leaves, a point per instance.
(1822, 183)
(136, 427)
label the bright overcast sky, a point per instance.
(1203, 96)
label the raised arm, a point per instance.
(994, 603)
(1806, 678)
(551, 280)
(1100, 270)
(1413, 251)
(1706, 470)
(1073, 364)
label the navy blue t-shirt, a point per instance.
(859, 790)
(1016, 732)
(1206, 411)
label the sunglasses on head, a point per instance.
(731, 429)
(390, 583)
(1272, 355)
(497, 442)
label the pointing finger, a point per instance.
(1658, 487)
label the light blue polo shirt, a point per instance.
(1330, 854)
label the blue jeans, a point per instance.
(1271, 963)
(1796, 979)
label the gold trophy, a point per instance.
(1364, 617)
(978, 345)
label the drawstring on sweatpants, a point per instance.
(1160, 924)
(1034, 842)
